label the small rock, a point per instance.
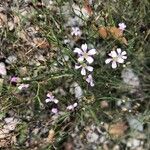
(3, 71)
(92, 137)
(133, 143)
(104, 104)
(116, 147)
(135, 124)
(130, 78)
(11, 123)
(77, 90)
(11, 59)
(23, 71)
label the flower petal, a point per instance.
(70, 107)
(83, 71)
(124, 57)
(77, 67)
(113, 54)
(89, 68)
(75, 105)
(78, 50)
(119, 51)
(107, 61)
(124, 53)
(81, 58)
(55, 101)
(89, 59)
(91, 84)
(92, 52)
(84, 47)
(48, 100)
(114, 65)
(120, 60)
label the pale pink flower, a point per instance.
(72, 107)
(122, 26)
(85, 54)
(76, 31)
(84, 67)
(89, 80)
(14, 79)
(116, 57)
(54, 110)
(51, 98)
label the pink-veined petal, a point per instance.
(114, 65)
(92, 52)
(119, 51)
(88, 80)
(124, 57)
(78, 51)
(89, 59)
(83, 71)
(113, 54)
(84, 47)
(120, 60)
(80, 59)
(89, 68)
(124, 53)
(107, 61)
(77, 67)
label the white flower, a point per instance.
(89, 79)
(51, 98)
(3, 69)
(72, 107)
(76, 31)
(23, 86)
(85, 54)
(117, 57)
(122, 26)
(54, 110)
(84, 67)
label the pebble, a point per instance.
(130, 78)
(92, 137)
(11, 59)
(3, 71)
(77, 90)
(135, 124)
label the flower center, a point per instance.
(84, 65)
(85, 55)
(115, 58)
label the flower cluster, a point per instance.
(85, 57)
(16, 81)
(51, 98)
(76, 31)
